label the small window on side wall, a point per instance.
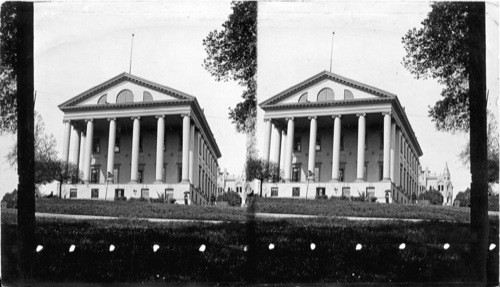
(274, 191)
(295, 191)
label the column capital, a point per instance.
(361, 114)
(312, 117)
(186, 115)
(267, 120)
(336, 116)
(134, 118)
(290, 119)
(386, 113)
(111, 119)
(89, 120)
(66, 121)
(160, 116)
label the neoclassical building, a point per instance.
(335, 136)
(441, 183)
(134, 138)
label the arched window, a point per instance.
(103, 100)
(125, 96)
(348, 94)
(303, 98)
(146, 96)
(326, 94)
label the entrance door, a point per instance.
(119, 192)
(320, 191)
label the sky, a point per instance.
(294, 43)
(81, 44)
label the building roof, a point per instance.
(181, 99)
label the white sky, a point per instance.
(295, 42)
(82, 44)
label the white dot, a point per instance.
(156, 247)
(359, 246)
(402, 246)
(446, 246)
(492, 246)
(271, 246)
(202, 248)
(313, 246)
(39, 248)
(245, 248)
(111, 248)
(72, 248)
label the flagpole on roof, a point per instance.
(331, 52)
(131, 48)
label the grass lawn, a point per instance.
(334, 259)
(328, 208)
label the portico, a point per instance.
(158, 143)
(342, 138)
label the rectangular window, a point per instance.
(320, 191)
(94, 174)
(297, 144)
(140, 174)
(296, 173)
(346, 191)
(318, 144)
(72, 193)
(116, 173)
(370, 192)
(274, 191)
(295, 191)
(145, 193)
(94, 193)
(119, 193)
(117, 145)
(96, 146)
(317, 172)
(341, 174)
(169, 193)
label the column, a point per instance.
(111, 148)
(83, 140)
(267, 139)
(360, 171)
(134, 165)
(312, 145)
(387, 146)
(88, 151)
(336, 148)
(76, 147)
(289, 149)
(277, 145)
(160, 143)
(191, 154)
(66, 141)
(186, 122)
(393, 152)
(282, 150)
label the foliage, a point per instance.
(11, 199)
(435, 197)
(231, 197)
(263, 170)
(439, 50)
(334, 259)
(8, 61)
(464, 197)
(323, 196)
(232, 54)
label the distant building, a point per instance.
(441, 183)
(135, 138)
(238, 184)
(335, 136)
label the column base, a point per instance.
(334, 180)
(359, 180)
(185, 181)
(158, 182)
(386, 179)
(133, 182)
(287, 180)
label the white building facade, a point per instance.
(441, 183)
(163, 145)
(334, 136)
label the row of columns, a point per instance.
(288, 137)
(87, 139)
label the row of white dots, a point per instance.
(271, 246)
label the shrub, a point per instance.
(231, 197)
(435, 197)
(464, 198)
(373, 199)
(121, 198)
(321, 196)
(11, 199)
(171, 200)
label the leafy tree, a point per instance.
(435, 197)
(263, 170)
(11, 199)
(451, 47)
(464, 197)
(232, 55)
(232, 198)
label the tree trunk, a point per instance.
(478, 140)
(25, 140)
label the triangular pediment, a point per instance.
(326, 86)
(125, 88)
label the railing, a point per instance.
(398, 195)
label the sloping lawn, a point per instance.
(338, 207)
(334, 258)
